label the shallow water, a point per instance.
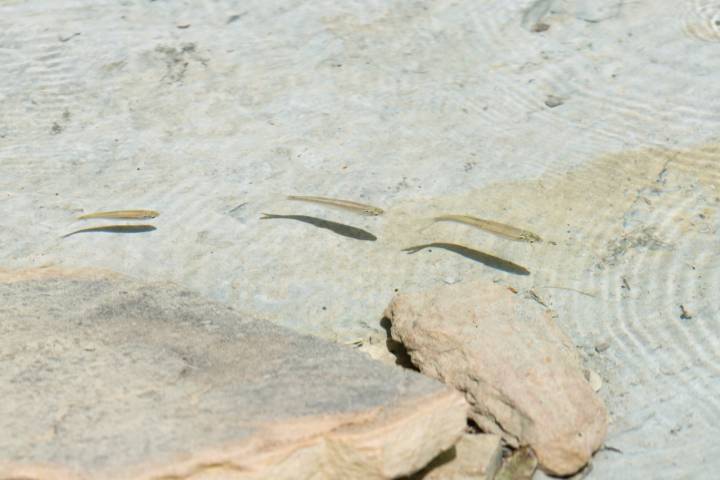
(592, 123)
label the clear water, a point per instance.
(592, 123)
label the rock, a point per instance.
(602, 346)
(520, 466)
(474, 457)
(104, 377)
(553, 101)
(540, 27)
(520, 373)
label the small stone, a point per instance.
(594, 380)
(602, 346)
(520, 373)
(553, 101)
(540, 27)
(474, 457)
(520, 465)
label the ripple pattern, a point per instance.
(593, 124)
(702, 20)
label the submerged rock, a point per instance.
(104, 377)
(520, 373)
(519, 466)
(474, 457)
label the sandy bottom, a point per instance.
(592, 124)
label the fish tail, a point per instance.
(411, 250)
(268, 215)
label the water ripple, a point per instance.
(702, 20)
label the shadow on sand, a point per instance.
(114, 229)
(475, 255)
(338, 228)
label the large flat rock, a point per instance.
(104, 377)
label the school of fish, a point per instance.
(496, 228)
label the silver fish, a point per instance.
(125, 214)
(507, 231)
(360, 208)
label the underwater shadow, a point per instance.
(338, 228)
(114, 229)
(475, 255)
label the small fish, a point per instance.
(360, 208)
(533, 295)
(475, 255)
(497, 228)
(126, 214)
(115, 229)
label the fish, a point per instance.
(506, 231)
(125, 214)
(338, 228)
(476, 255)
(115, 229)
(360, 208)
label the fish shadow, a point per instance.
(337, 228)
(475, 255)
(114, 229)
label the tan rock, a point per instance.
(474, 457)
(104, 377)
(520, 373)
